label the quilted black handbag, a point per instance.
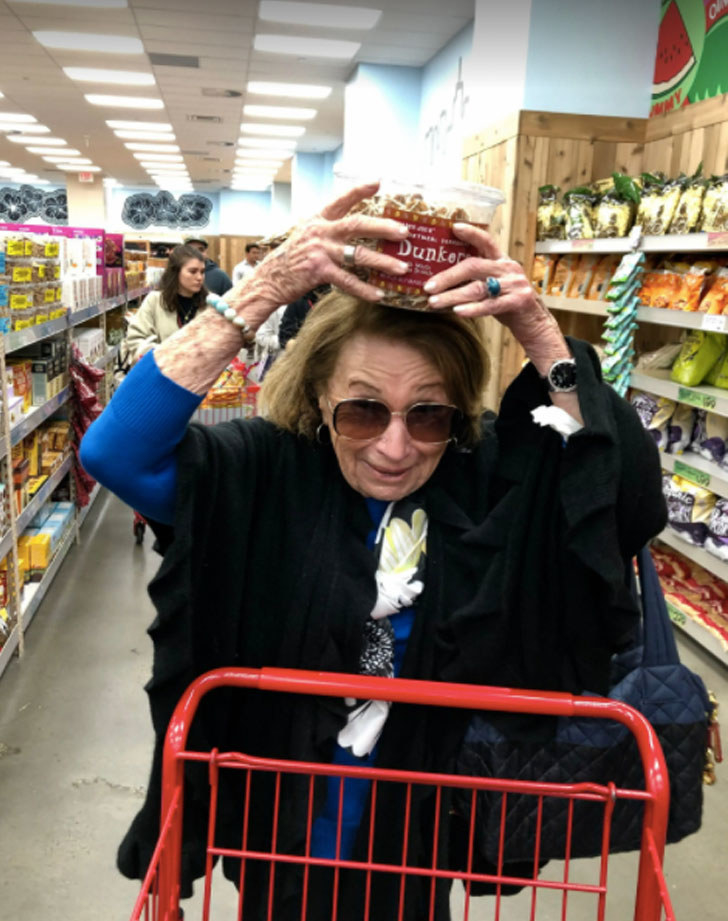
(653, 681)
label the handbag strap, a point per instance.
(659, 646)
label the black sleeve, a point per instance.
(292, 320)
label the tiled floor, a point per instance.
(75, 741)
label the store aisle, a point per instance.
(75, 743)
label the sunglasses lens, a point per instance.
(361, 419)
(430, 422)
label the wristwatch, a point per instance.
(561, 377)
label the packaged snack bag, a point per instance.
(655, 414)
(543, 266)
(581, 277)
(658, 203)
(550, 214)
(717, 540)
(689, 508)
(687, 213)
(578, 205)
(562, 275)
(715, 300)
(615, 210)
(699, 353)
(709, 437)
(680, 429)
(715, 205)
(601, 278)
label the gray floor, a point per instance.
(75, 741)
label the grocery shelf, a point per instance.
(696, 631)
(95, 310)
(95, 492)
(6, 653)
(107, 358)
(23, 337)
(576, 305)
(34, 592)
(713, 399)
(696, 554)
(681, 319)
(698, 470)
(38, 415)
(25, 517)
(667, 243)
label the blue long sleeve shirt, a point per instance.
(131, 447)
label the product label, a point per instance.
(718, 239)
(56, 271)
(51, 250)
(49, 295)
(582, 246)
(16, 247)
(690, 473)
(28, 247)
(694, 398)
(715, 322)
(22, 273)
(431, 247)
(41, 270)
(23, 324)
(676, 616)
(41, 318)
(18, 301)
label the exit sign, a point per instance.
(85, 177)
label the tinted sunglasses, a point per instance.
(362, 420)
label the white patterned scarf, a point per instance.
(401, 545)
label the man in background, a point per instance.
(216, 280)
(253, 255)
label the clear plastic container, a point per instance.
(429, 210)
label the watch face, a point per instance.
(562, 375)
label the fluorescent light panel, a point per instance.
(152, 148)
(145, 135)
(138, 126)
(26, 129)
(74, 168)
(97, 4)
(279, 156)
(99, 75)
(169, 158)
(328, 15)
(17, 118)
(279, 144)
(291, 112)
(61, 157)
(124, 102)
(66, 152)
(302, 47)
(289, 90)
(81, 162)
(260, 164)
(41, 142)
(88, 41)
(276, 131)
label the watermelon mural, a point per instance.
(691, 63)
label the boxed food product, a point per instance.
(429, 210)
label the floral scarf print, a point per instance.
(401, 546)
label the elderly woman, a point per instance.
(375, 521)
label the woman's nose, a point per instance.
(394, 442)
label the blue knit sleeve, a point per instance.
(130, 448)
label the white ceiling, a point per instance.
(220, 34)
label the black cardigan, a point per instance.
(528, 546)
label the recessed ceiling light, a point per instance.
(60, 157)
(99, 4)
(42, 142)
(279, 144)
(145, 135)
(26, 129)
(124, 102)
(87, 41)
(99, 75)
(67, 152)
(17, 118)
(276, 131)
(328, 15)
(169, 158)
(152, 148)
(289, 90)
(140, 126)
(292, 112)
(303, 47)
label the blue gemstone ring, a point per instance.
(494, 288)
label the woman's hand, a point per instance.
(464, 288)
(314, 255)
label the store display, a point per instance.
(621, 323)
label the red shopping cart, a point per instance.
(159, 898)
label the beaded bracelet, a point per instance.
(223, 308)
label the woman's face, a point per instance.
(191, 277)
(393, 465)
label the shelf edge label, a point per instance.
(690, 473)
(695, 398)
(676, 616)
(715, 322)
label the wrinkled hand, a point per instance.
(464, 289)
(313, 255)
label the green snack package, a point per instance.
(719, 369)
(699, 353)
(629, 264)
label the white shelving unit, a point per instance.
(691, 466)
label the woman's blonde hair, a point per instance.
(453, 344)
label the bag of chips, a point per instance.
(578, 204)
(717, 540)
(550, 214)
(615, 210)
(601, 277)
(715, 300)
(680, 429)
(715, 205)
(543, 266)
(689, 508)
(687, 213)
(698, 354)
(562, 273)
(655, 414)
(709, 436)
(658, 203)
(581, 277)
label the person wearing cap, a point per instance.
(216, 280)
